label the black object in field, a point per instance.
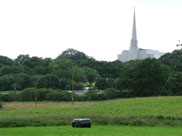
(81, 122)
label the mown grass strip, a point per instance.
(109, 130)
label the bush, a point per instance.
(5, 98)
(1, 105)
(93, 96)
(126, 93)
(36, 121)
(29, 94)
(55, 95)
(111, 93)
(43, 94)
(136, 123)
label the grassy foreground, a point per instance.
(136, 111)
(94, 131)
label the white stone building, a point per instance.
(137, 53)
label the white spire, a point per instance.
(134, 42)
(133, 51)
(134, 35)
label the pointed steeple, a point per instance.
(134, 35)
(134, 42)
(133, 51)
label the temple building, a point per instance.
(137, 53)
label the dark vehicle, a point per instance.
(81, 122)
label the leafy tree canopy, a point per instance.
(73, 55)
(173, 60)
(21, 58)
(147, 78)
(5, 61)
(174, 83)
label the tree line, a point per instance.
(71, 65)
(75, 70)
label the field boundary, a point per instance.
(97, 120)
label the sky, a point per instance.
(99, 28)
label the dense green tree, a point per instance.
(43, 67)
(101, 84)
(173, 60)
(109, 69)
(48, 81)
(32, 62)
(111, 83)
(91, 75)
(147, 78)
(105, 69)
(34, 65)
(150, 78)
(6, 69)
(128, 75)
(78, 78)
(6, 82)
(63, 83)
(62, 68)
(104, 83)
(174, 83)
(22, 81)
(69, 73)
(22, 58)
(73, 55)
(16, 69)
(78, 74)
(5, 61)
(115, 68)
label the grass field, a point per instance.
(103, 111)
(94, 131)
(165, 106)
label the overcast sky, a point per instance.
(99, 28)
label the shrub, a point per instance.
(29, 94)
(111, 93)
(93, 96)
(160, 117)
(1, 105)
(43, 94)
(55, 95)
(124, 123)
(0, 97)
(136, 123)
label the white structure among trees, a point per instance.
(137, 53)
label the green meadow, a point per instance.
(165, 106)
(136, 111)
(93, 131)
